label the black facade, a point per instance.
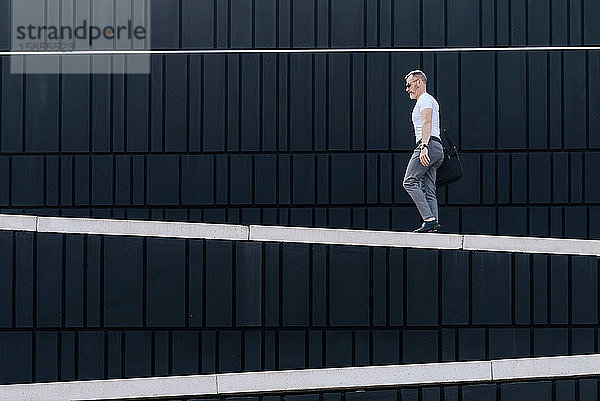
(94, 307)
(319, 139)
(306, 140)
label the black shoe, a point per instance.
(429, 227)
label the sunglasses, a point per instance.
(408, 84)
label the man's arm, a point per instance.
(426, 135)
(426, 117)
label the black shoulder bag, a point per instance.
(451, 170)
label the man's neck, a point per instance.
(419, 95)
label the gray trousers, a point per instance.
(419, 180)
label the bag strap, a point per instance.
(447, 137)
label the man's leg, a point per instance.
(415, 172)
(428, 182)
(429, 189)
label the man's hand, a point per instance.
(424, 156)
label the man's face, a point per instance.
(412, 84)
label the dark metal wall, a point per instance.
(318, 139)
(360, 23)
(92, 307)
(311, 139)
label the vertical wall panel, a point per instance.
(295, 278)
(24, 273)
(477, 118)
(268, 93)
(250, 112)
(176, 87)
(219, 284)
(100, 114)
(5, 33)
(27, 181)
(591, 31)
(463, 23)
(90, 355)
(137, 113)
(102, 180)
(241, 24)
(377, 112)
(233, 102)
(455, 287)
(291, 349)
(346, 17)
(46, 356)
(339, 106)
(349, 279)
(303, 29)
(434, 23)
(419, 345)
(163, 180)
(138, 352)
(448, 84)
(6, 279)
(575, 111)
(264, 23)
(347, 178)
(118, 104)
(509, 343)
(240, 179)
(184, 353)
(198, 23)
(73, 281)
(75, 112)
(538, 13)
(214, 103)
(123, 281)
(165, 24)
(41, 124)
(512, 125)
(11, 139)
(406, 29)
(50, 281)
(559, 279)
(249, 284)
(300, 87)
(303, 179)
(421, 287)
(491, 288)
(165, 283)
(15, 357)
(585, 290)
(197, 180)
(538, 99)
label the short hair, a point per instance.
(418, 74)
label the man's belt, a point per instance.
(431, 138)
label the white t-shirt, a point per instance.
(426, 101)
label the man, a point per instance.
(419, 179)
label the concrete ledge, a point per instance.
(308, 235)
(531, 245)
(308, 379)
(355, 237)
(14, 222)
(142, 228)
(117, 389)
(346, 378)
(538, 368)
